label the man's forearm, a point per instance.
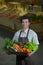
(32, 52)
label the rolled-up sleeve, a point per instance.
(16, 36)
(35, 39)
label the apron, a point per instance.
(27, 60)
(23, 40)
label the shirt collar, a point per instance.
(26, 30)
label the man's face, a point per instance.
(25, 23)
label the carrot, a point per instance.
(16, 46)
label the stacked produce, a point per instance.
(28, 47)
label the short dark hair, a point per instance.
(25, 17)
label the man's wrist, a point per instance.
(31, 53)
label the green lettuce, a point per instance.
(31, 45)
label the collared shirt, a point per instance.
(32, 36)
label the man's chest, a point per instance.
(30, 36)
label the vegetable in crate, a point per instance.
(9, 43)
(31, 46)
(28, 47)
(19, 49)
(26, 50)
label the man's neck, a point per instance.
(25, 29)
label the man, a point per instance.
(24, 35)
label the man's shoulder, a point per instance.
(33, 32)
(17, 32)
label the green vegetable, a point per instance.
(9, 43)
(30, 45)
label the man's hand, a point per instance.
(31, 53)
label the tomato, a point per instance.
(19, 49)
(24, 49)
